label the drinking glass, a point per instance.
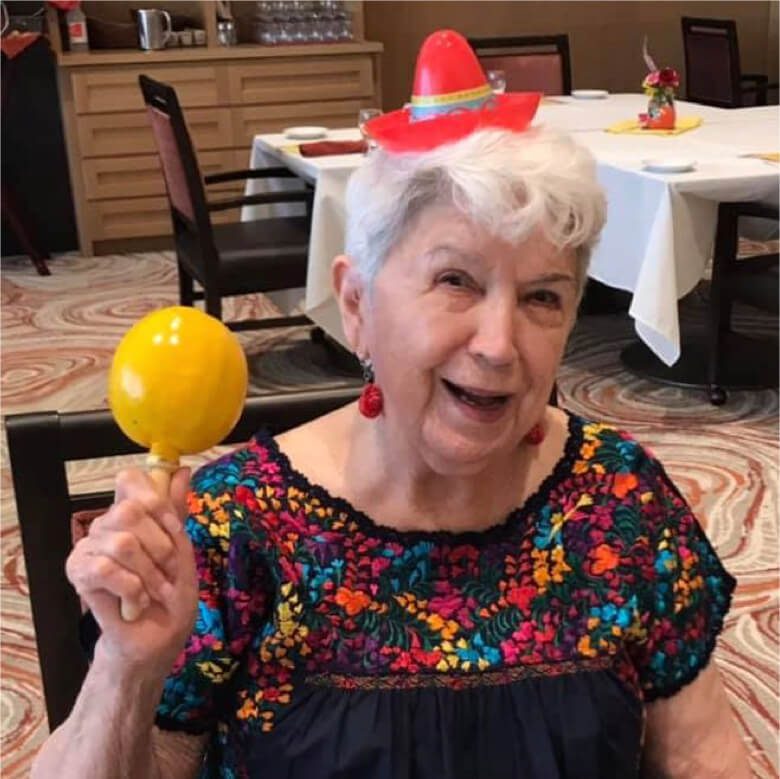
(497, 81)
(365, 115)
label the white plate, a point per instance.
(669, 166)
(590, 94)
(305, 133)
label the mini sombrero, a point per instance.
(451, 99)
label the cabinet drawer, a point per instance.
(118, 90)
(117, 135)
(248, 122)
(130, 218)
(123, 177)
(301, 79)
(141, 217)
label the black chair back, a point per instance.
(192, 228)
(39, 446)
(532, 63)
(712, 69)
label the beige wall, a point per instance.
(605, 37)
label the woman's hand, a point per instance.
(138, 552)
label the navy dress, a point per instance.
(329, 647)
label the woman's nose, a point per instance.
(494, 336)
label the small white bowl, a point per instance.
(669, 166)
(305, 133)
(590, 94)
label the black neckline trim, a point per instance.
(374, 529)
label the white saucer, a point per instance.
(590, 94)
(305, 133)
(669, 166)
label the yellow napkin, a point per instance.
(631, 126)
(771, 156)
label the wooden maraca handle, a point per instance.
(160, 474)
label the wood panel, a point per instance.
(301, 80)
(116, 90)
(251, 120)
(123, 177)
(129, 218)
(140, 217)
(112, 135)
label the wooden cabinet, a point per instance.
(228, 96)
(122, 177)
(103, 91)
(291, 80)
(108, 135)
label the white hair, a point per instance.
(509, 183)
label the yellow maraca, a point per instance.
(177, 386)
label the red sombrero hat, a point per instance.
(451, 99)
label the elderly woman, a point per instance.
(448, 580)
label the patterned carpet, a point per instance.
(58, 336)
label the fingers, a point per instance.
(125, 549)
(137, 551)
(135, 484)
(136, 533)
(90, 573)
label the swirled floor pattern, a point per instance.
(58, 336)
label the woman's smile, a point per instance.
(477, 404)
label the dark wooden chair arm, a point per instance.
(755, 84)
(242, 175)
(758, 78)
(263, 198)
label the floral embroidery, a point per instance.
(604, 565)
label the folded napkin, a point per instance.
(631, 126)
(325, 148)
(770, 156)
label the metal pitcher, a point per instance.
(152, 33)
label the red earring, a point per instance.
(535, 435)
(370, 402)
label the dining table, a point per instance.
(660, 226)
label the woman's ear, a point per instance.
(351, 294)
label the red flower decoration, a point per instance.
(668, 77)
(65, 5)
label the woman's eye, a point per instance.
(455, 279)
(545, 297)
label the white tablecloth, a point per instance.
(660, 228)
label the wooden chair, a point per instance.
(264, 255)
(39, 446)
(15, 212)
(712, 67)
(752, 280)
(531, 63)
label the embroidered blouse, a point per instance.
(328, 646)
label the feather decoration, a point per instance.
(651, 66)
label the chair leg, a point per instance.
(213, 303)
(720, 300)
(18, 221)
(186, 287)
